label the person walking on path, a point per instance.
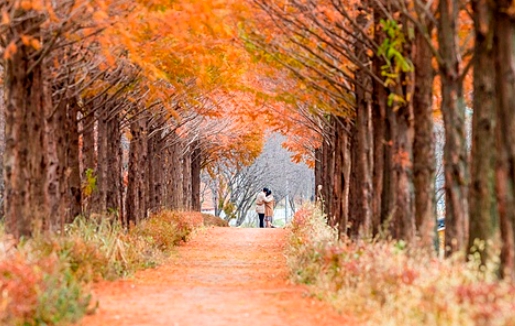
(269, 208)
(260, 206)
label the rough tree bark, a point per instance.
(341, 181)
(88, 150)
(327, 191)
(363, 149)
(481, 191)
(195, 176)
(113, 177)
(186, 181)
(424, 161)
(132, 200)
(504, 42)
(72, 159)
(453, 109)
(177, 175)
(379, 96)
(143, 177)
(25, 162)
(99, 196)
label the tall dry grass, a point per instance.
(383, 282)
(44, 281)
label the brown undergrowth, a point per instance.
(383, 282)
(45, 280)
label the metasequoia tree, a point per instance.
(504, 49)
(328, 45)
(83, 79)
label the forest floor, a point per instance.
(223, 276)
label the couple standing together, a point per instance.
(265, 208)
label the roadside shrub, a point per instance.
(385, 283)
(211, 220)
(44, 281)
(166, 229)
(42, 292)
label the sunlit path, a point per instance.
(225, 276)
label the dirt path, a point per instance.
(225, 276)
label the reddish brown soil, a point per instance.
(224, 276)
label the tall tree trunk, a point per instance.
(341, 183)
(99, 201)
(424, 160)
(363, 149)
(143, 166)
(58, 130)
(177, 151)
(379, 96)
(455, 151)
(132, 200)
(354, 218)
(73, 163)
(195, 176)
(403, 223)
(388, 197)
(25, 162)
(504, 42)
(88, 153)
(155, 158)
(326, 191)
(113, 177)
(379, 101)
(168, 172)
(319, 168)
(2, 149)
(186, 181)
(481, 191)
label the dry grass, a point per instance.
(44, 281)
(385, 283)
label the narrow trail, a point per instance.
(224, 276)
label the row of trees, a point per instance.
(369, 72)
(104, 113)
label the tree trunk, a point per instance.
(187, 182)
(379, 101)
(455, 151)
(113, 182)
(341, 183)
(99, 201)
(168, 172)
(88, 153)
(25, 162)
(363, 149)
(327, 190)
(379, 96)
(2, 149)
(403, 223)
(143, 176)
(195, 176)
(481, 191)
(424, 161)
(354, 218)
(155, 172)
(319, 168)
(73, 163)
(388, 197)
(504, 42)
(132, 200)
(177, 194)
